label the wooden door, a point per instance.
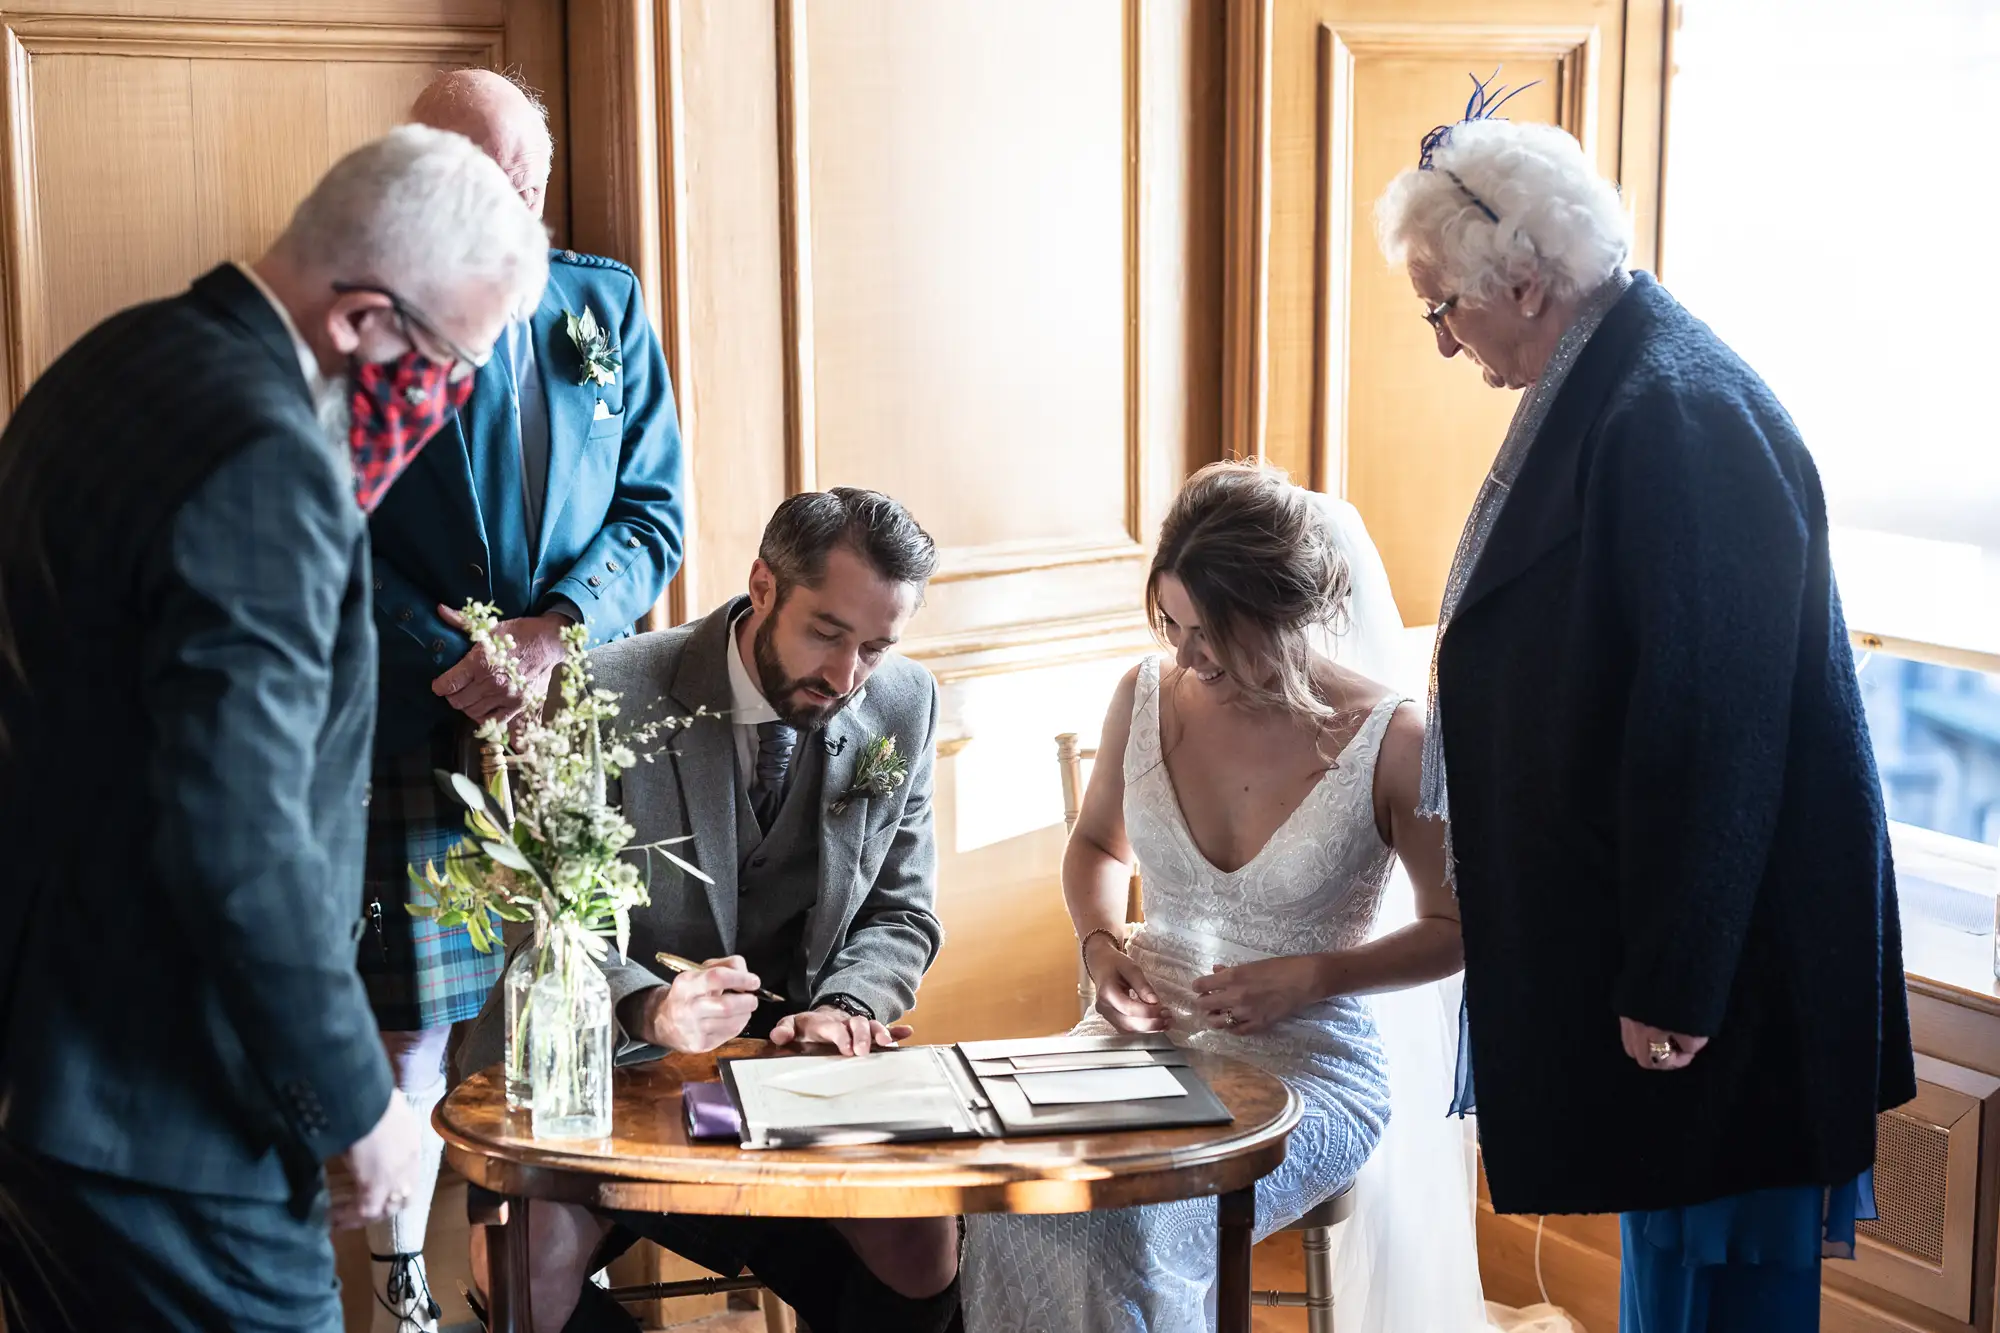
(146, 140)
(1342, 384)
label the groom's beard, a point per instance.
(780, 689)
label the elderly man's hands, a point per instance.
(478, 688)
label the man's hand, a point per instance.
(373, 1179)
(478, 688)
(1640, 1040)
(850, 1034)
(701, 1009)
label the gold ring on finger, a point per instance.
(1660, 1051)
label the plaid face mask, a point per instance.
(397, 406)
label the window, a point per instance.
(1831, 187)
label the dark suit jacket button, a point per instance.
(596, 582)
(405, 614)
(757, 862)
(378, 585)
(477, 572)
(437, 645)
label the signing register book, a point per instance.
(976, 1089)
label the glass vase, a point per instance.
(569, 1048)
(528, 966)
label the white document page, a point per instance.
(887, 1087)
(1100, 1085)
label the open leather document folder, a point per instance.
(976, 1089)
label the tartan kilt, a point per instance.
(418, 974)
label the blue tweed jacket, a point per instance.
(453, 526)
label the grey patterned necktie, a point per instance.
(775, 743)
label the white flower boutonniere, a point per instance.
(600, 360)
(879, 771)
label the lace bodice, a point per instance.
(1313, 888)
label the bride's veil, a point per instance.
(1408, 1258)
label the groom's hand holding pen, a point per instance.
(705, 1005)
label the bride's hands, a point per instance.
(1124, 996)
(1252, 997)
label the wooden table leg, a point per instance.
(1235, 1215)
(507, 1263)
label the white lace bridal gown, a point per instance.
(1314, 887)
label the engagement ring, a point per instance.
(1661, 1051)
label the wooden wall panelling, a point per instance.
(1247, 228)
(629, 160)
(1358, 401)
(146, 145)
(734, 385)
(536, 50)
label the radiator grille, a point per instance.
(1910, 1158)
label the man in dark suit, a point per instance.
(555, 495)
(819, 892)
(186, 701)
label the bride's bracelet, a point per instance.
(1083, 947)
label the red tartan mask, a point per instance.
(397, 406)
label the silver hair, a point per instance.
(424, 213)
(1551, 215)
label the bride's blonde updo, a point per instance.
(1257, 557)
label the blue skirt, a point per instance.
(1748, 1263)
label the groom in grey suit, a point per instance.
(822, 892)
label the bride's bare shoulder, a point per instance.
(1347, 691)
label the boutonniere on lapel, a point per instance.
(879, 771)
(599, 360)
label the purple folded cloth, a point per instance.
(711, 1112)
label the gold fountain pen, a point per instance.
(674, 962)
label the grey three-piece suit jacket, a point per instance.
(863, 879)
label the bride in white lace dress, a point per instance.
(1265, 793)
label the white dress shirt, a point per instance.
(308, 363)
(747, 703)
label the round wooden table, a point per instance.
(648, 1165)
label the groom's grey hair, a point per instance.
(427, 215)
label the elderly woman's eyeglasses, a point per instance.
(1434, 314)
(415, 318)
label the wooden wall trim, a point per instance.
(676, 328)
(795, 228)
(180, 39)
(1032, 645)
(1333, 254)
(1246, 226)
(958, 563)
(22, 222)
(1136, 499)
(628, 200)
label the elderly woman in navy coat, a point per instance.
(1684, 985)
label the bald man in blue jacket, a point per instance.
(555, 496)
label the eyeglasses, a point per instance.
(411, 316)
(1434, 314)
